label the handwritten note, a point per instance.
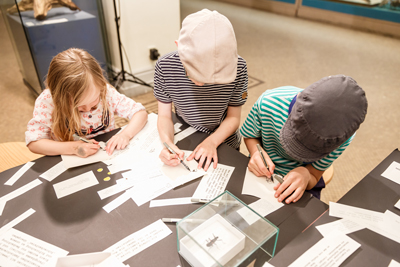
(19, 173)
(331, 251)
(53, 172)
(393, 172)
(139, 241)
(20, 250)
(75, 184)
(214, 183)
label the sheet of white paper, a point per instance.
(111, 261)
(397, 205)
(214, 182)
(393, 172)
(372, 220)
(259, 186)
(177, 127)
(262, 207)
(185, 133)
(75, 184)
(331, 251)
(394, 263)
(71, 161)
(31, 251)
(391, 222)
(345, 226)
(179, 174)
(117, 202)
(23, 189)
(138, 162)
(16, 221)
(140, 240)
(53, 172)
(170, 202)
(151, 188)
(19, 173)
(267, 264)
(115, 189)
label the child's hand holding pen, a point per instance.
(169, 158)
(84, 149)
(257, 166)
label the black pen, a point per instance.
(265, 162)
(173, 152)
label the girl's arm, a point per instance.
(121, 140)
(52, 148)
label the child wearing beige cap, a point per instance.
(206, 81)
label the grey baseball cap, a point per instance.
(325, 115)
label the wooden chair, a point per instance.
(328, 175)
(13, 154)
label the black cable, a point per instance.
(123, 72)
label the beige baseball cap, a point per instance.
(207, 47)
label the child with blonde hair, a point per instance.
(80, 101)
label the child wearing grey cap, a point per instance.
(303, 131)
(206, 81)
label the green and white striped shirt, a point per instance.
(265, 121)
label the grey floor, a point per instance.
(279, 50)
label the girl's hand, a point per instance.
(171, 159)
(295, 182)
(118, 141)
(205, 151)
(256, 165)
(83, 150)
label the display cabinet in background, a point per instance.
(37, 38)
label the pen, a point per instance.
(205, 200)
(262, 156)
(200, 200)
(101, 143)
(173, 152)
(171, 220)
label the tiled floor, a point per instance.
(279, 50)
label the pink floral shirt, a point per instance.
(39, 127)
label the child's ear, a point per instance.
(176, 42)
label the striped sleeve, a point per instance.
(159, 85)
(327, 161)
(252, 127)
(239, 95)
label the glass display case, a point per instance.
(37, 38)
(226, 232)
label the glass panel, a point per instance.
(217, 234)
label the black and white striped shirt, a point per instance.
(202, 107)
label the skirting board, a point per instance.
(132, 89)
(357, 22)
(272, 6)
